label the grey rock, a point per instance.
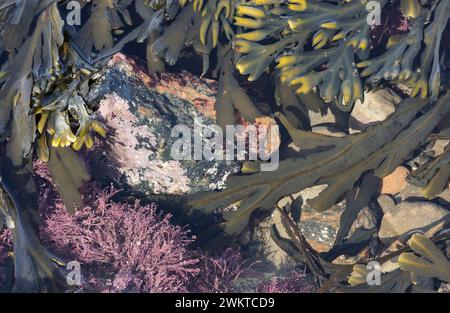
(309, 193)
(320, 228)
(386, 202)
(377, 106)
(408, 217)
(140, 112)
(264, 246)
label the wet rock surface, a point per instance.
(319, 228)
(140, 111)
(265, 247)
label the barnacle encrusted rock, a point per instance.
(140, 111)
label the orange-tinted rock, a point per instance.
(395, 182)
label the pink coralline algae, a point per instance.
(219, 274)
(124, 247)
(5, 243)
(132, 248)
(129, 247)
(6, 246)
(295, 283)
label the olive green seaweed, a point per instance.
(380, 148)
(317, 55)
(431, 262)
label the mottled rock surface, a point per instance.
(140, 111)
(320, 228)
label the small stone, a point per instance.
(366, 219)
(345, 260)
(9, 222)
(444, 288)
(408, 217)
(285, 202)
(390, 265)
(320, 228)
(395, 182)
(377, 106)
(386, 202)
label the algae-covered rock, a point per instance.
(140, 111)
